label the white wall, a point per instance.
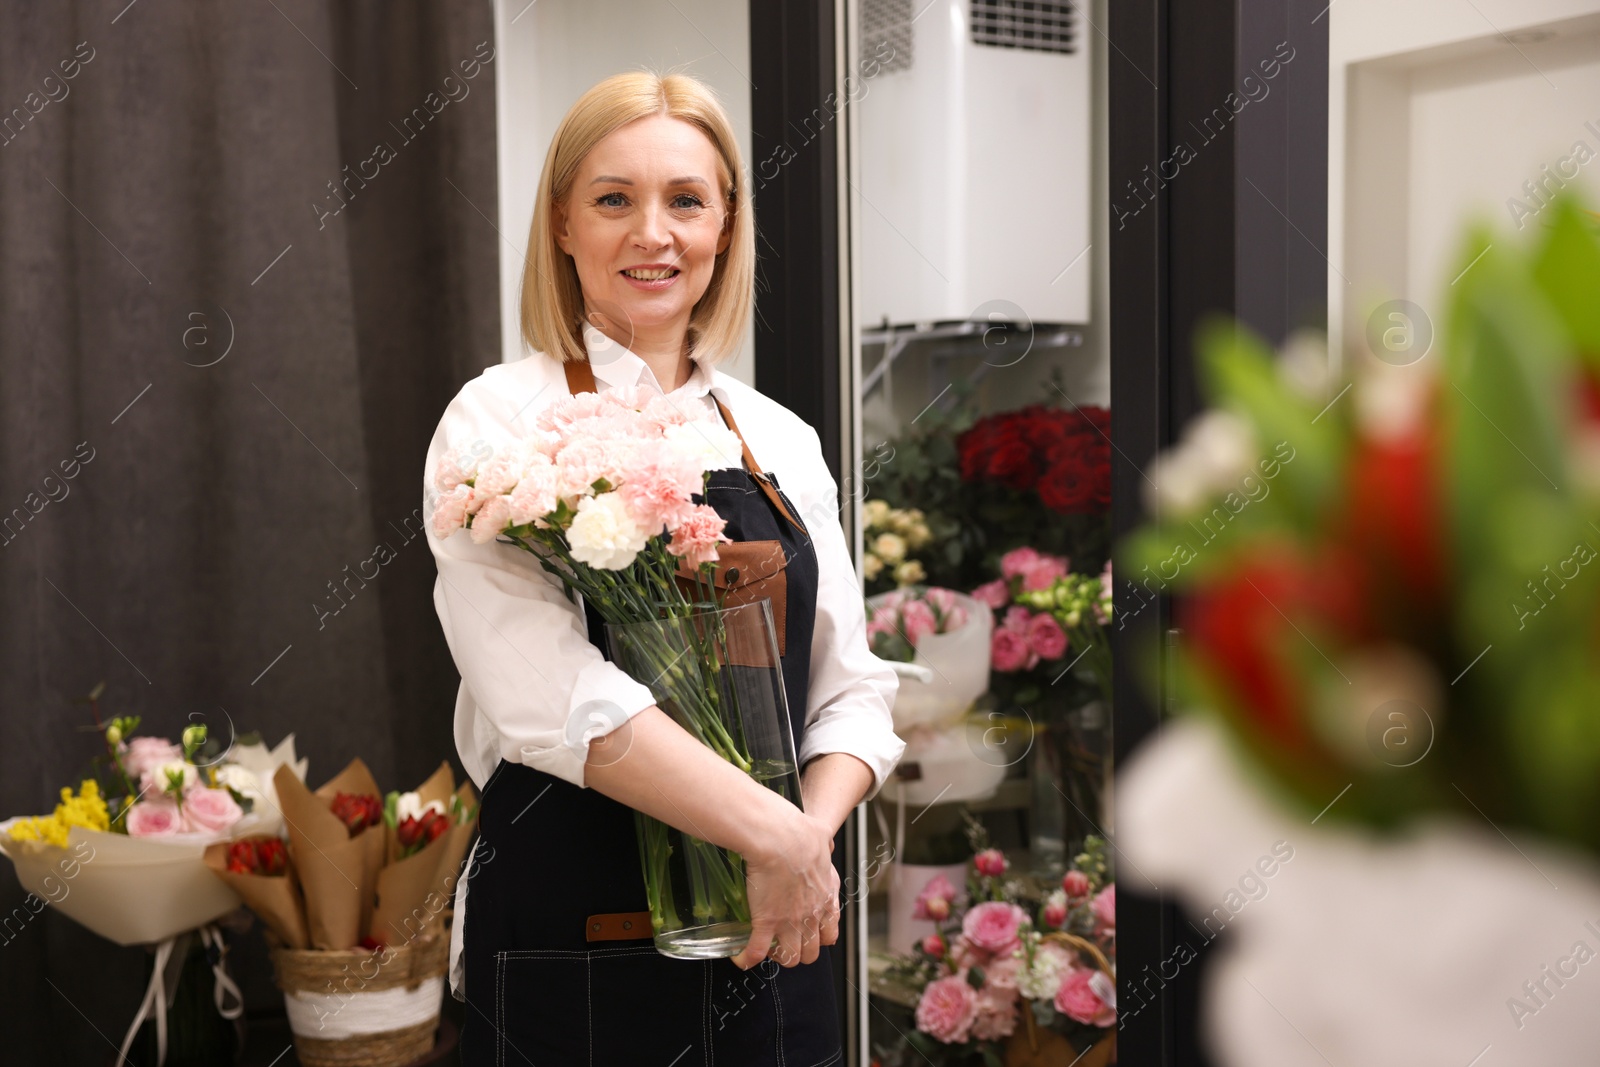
(1439, 109)
(551, 51)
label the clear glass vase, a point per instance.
(717, 673)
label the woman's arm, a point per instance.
(832, 785)
(653, 765)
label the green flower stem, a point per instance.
(684, 664)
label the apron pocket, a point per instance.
(648, 1008)
(785, 1016)
(541, 1007)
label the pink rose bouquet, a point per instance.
(1050, 620)
(901, 619)
(1008, 959)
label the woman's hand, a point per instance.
(794, 893)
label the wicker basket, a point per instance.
(1034, 1046)
(357, 1008)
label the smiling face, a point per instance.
(644, 222)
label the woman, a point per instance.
(640, 271)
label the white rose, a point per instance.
(240, 779)
(603, 534)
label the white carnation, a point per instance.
(603, 534)
(712, 445)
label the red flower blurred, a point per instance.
(1394, 520)
(1588, 390)
(357, 812)
(415, 832)
(258, 855)
(1239, 625)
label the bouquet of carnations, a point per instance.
(1054, 621)
(1012, 973)
(607, 492)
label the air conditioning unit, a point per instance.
(974, 141)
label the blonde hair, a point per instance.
(552, 298)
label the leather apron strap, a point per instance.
(580, 379)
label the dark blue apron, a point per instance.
(539, 991)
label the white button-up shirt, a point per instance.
(529, 674)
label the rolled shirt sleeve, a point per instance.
(534, 690)
(852, 691)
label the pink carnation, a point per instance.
(500, 474)
(560, 416)
(450, 511)
(154, 818)
(1008, 650)
(993, 926)
(1017, 619)
(449, 472)
(535, 494)
(663, 412)
(493, 517)
(581, 462)
(696, 537)
(211, 811)
(1046, 637)
(1077, 999)
(948, 1008)
(658, 486)
(996, 594)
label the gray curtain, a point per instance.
(247, 254)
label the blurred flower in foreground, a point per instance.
(1388, 612)
(1392, 590)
